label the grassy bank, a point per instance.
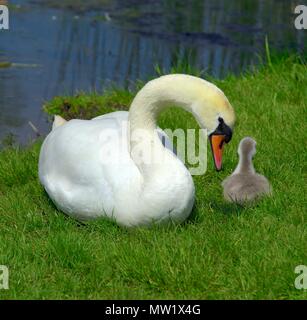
(225, 251)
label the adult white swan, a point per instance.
(76, 171)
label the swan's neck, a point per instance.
(146, 149)
(201, 98)
(245, 165)
(154, 98)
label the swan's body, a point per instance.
(86, 183)
(244, 184)
(90, 168)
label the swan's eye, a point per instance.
(223, 129)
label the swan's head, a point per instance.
(214, 113)
(221, 135)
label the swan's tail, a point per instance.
(58, 121)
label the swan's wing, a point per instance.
(123, 116)
(117, 115)
(58, 121)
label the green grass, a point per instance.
(89, 105)
(224, 251)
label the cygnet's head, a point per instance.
(247, 147)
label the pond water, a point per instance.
(60, 47)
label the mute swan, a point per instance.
(128, 189)
(245, 184)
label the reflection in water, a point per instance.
(124, 41)
(7, 93)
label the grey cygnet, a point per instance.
(244, 184)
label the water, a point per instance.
(58, 51)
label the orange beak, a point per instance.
(217, 145)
